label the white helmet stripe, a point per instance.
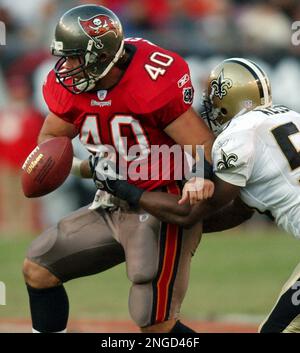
(266, 79)
(260, 74)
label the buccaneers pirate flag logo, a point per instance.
(98, 26)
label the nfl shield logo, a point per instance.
(102, 94)
(248, 104)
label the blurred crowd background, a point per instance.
(203, 31)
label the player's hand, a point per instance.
(104, 172)
(197, 189)
(103, 176)
(107, 178)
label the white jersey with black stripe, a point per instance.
(260, 152)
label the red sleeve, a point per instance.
(167, 96)
(173, 109)
(175, 100)
(58, 99)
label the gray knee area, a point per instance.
(81, 244)
(142, 255)
(140, 304)
(140, 276)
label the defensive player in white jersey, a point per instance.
(256, 159)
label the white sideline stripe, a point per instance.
(2, 293)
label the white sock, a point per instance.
(63, 331)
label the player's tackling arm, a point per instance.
(230, 216)
(165, 207)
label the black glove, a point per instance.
(104, 173)
(206, 170)
(106, 177)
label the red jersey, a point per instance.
(154, 90)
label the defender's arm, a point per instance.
(165, 206)
(230, 216)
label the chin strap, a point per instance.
(118, 55)
(91, 83)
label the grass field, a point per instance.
(234, 272)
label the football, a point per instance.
(47, 167)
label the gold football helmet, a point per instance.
(235, 87)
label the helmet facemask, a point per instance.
(91, 68)
(212, 115)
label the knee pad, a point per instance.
(141, 304)
(142, 277)
(141, 269)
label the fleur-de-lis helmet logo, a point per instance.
(221, 85)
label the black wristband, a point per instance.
(197, 170)
(128, 192)
(92, 164)
(208, 170)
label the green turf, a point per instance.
(240, 274)
(232, 272)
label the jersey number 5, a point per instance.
(282, 135)
(160, 61)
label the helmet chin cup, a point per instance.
(84, 86)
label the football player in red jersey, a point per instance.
(104, 89)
